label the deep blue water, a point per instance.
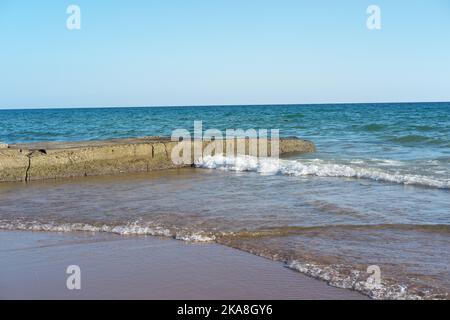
(407, 125)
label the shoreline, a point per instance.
(143, 204)
(146, 267)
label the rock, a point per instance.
(49, 160)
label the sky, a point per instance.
(220, 52)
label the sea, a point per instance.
(368, 211)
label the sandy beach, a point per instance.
(33, 265)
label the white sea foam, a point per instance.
(195, 237)
(354, 280)
(133, 228)
(318, 167)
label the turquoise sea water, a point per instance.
(408, 139)
(376, 192)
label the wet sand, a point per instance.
(33, 266)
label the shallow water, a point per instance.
(336, 226)
(375, 193)
(142, 267)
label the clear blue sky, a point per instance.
(200, 52)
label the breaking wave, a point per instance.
(319, 168)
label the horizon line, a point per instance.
(219, 105)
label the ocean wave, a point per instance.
(417, 139)
(372, 127)
(355, 280)
(317, 167)
(345, 276)
(132, 228)
(294, 115)
(283, 231)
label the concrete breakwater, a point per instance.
(50, 160)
